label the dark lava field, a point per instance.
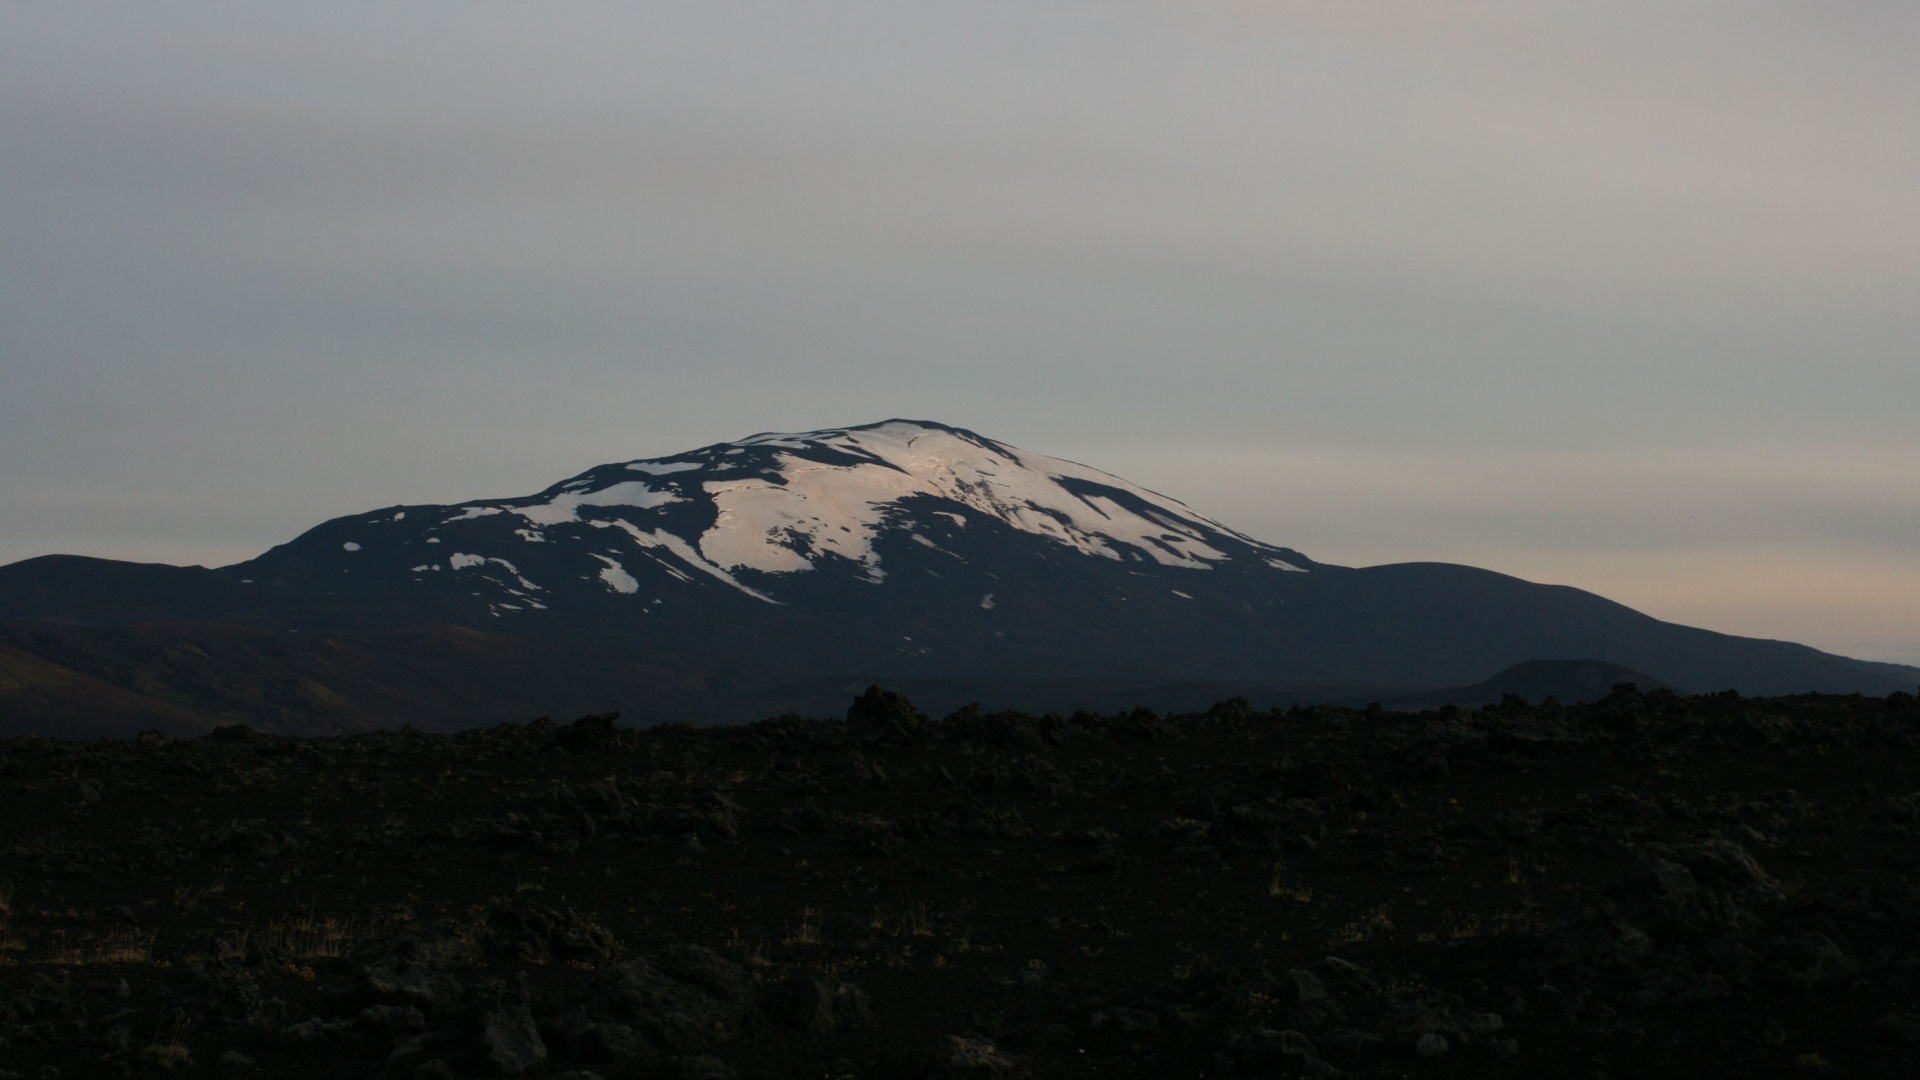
(1649, 885)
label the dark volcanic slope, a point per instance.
(186, 678)
(1648, 886)
(902, 550)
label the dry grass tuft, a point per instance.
(123, 945)
(169, 1049)
(189, 897)
(306, 937)
(914, 919)
(809, 930)
(1277, 887)
(1361, 929)
(165, 1055)
(751, 952)
(10, 941)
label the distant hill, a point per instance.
(1569, 681)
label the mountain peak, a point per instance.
(780, 502)
(780, 517)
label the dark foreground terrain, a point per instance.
(1648, 885)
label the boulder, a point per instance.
(684, 1000)
(882, 716)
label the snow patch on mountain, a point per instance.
(565, 506)
(616, 576)
(463, 561)
(661, 538)
(781, 523)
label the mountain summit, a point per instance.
(902, 550)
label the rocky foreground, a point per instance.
(1645, 886)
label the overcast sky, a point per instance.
(1622, 295)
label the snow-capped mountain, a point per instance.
(897, 550)
(769, 518)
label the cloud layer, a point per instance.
(1616, 295)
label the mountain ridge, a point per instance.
(902, 550)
